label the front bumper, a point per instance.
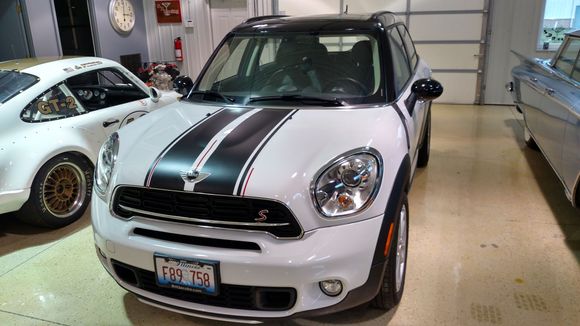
(342, 252)
(13, 200)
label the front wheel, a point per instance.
(393, 282)
(60, 194)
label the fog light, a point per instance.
(331, 288)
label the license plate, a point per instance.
(192, 275)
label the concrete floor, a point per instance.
(493, 241)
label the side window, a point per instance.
(400, 63)
(411, 52)
(269, 51)
(103, 88)
(56, 103)
(576, 73)
(232, 66)
(567, 58)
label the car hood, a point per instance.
(272, 153)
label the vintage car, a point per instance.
(278, 187)
(547, 92)
(54, 116)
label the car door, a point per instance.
(111, 97)
(412, 110)
(569, 94)
(554, 112)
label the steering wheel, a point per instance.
(345, 85)
(276, 77)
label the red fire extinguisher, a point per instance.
(178, 49)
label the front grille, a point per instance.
(207, 210)
(230, 296)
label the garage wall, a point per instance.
(108, 43)
(43, 28)
(447, 33)
(515, 25)
(196, 41)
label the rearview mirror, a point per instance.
(427, 89)
(155, 94)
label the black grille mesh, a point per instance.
(206, 207)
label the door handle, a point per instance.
(534, 79)
(110, 122)
(550, 91)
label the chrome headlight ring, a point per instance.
(105, 164)
(348, 184)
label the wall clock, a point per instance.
(122, 15)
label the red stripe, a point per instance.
(247, 180)
(204, 155)
(153, 170)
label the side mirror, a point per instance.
(155, 94)
(182, 85)
(427, 89)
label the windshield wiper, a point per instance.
(299, 98)
(213, 94)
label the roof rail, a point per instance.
(259, 18)
(380, 13)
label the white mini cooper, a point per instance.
(278, 187)
(54, 117)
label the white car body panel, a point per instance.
(25, 146)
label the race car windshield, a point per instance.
(13, 82)
(286, 69)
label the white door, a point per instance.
(225, 15)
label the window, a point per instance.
(103, 88)
(567, 59)
(12, 82)
(576, 72)
(56, 103)
(400, 61)
(560, 17)
(408, 45)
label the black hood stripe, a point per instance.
(247, 172)
(180, 155)
(227, 161)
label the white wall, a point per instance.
(312, 7)
(196, 41)
(43, 28)
(515, 26)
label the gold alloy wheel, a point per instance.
(64, 190)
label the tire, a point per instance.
(423, 158)
(529, 140)
(393, 283)
(60, 193)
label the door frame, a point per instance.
(92, 20)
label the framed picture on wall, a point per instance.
(168, 11)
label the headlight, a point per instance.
(349, 184)
(105, 163)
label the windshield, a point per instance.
(290, 69)
(13, 82)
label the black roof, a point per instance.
(575, 33)
(321, 23)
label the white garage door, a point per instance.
(449, 34)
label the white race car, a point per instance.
(54, 117)
(278, 187)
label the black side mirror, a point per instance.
(427, 89)
(183, 84)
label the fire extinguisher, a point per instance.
(178, 49)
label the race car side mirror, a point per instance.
(427, 89)
(155, 94)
